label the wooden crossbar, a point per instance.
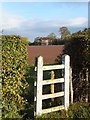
(53, 109)
(47, 82)
(52, 67)
(47, 96)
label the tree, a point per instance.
(52, 36)
(65, 33)
(37, 41)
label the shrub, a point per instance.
(79, 110)
(14, 64)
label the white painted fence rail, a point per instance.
(38, 96)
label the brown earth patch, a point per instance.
(49, 53)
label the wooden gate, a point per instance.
(39, 83)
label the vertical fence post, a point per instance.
(39, 86)
(71, 86)
(63, 72)
(87, 94)
(52, 85)
(66, 62)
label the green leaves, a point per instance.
(14, 62)
(78, 47)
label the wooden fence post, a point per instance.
(87, 94)
(39, 86)
(66, 61)
(52, 85)
(71, 86)
(63, 72)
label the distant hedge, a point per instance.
(14, 64)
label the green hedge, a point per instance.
(0, 80)
(14, 64)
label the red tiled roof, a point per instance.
(49, 53)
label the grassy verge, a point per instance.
(76, 110)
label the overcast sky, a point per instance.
(38, 19)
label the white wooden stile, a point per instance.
(40, 82)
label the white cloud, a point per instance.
(77, 22)
(33, 27)
(10, 21)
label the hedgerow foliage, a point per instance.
(78, 47)
(14, 64)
